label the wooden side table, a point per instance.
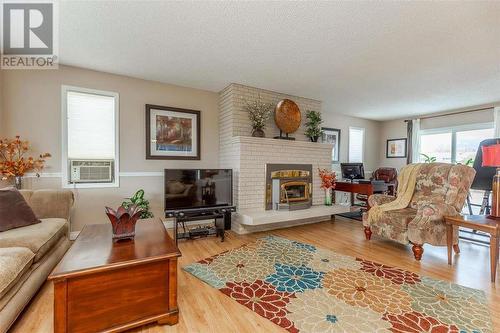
(480, 223)
(106, 286)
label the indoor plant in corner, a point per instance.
(14, 163)
(258, 112)
(328, 179)
(313, 125)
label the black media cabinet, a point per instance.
(220, 215)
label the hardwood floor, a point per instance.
(205, 309)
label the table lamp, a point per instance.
(491, 158)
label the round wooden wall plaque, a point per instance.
(287, 116)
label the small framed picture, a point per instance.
(332, 135)
(172, 133)
(396, 148)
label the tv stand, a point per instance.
(220, 215)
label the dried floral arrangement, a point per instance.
(14, 163)
(258, 113)
(328, 178)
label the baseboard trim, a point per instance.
(73, 235)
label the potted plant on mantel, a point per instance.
(14, 163)
(313, 125)
(258, 113)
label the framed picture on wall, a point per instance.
(172, 133)
(396, 148)
(332, 135)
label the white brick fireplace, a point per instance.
(248, 156)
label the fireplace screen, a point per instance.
(288, 186)
(294, 191)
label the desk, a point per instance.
(364, 188)
(476, 222)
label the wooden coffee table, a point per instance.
(102, 286)
(476, 222)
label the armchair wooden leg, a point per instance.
(456, 248)
(368, 233)
(418, 250)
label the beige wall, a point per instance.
(394, 129)
(372, 137)
(32, 101)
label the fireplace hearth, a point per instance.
(288, 186)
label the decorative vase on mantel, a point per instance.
(328, 197)
(258, 133)
(18, 182)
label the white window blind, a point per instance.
(90, 138)
(356, 144)
(91, 126)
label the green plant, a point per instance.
(428, 159)
(258, 113)
(469, 162)
(138, 200)
(313, 125)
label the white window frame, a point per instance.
(453, 131)
(362, 129)
(64, 165)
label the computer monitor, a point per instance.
(352, 170)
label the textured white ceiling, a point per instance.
(377, 60)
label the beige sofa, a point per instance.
(28, 254)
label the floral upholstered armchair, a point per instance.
(440, 190)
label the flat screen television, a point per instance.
(198, 188)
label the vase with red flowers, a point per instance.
(123, 221)
(328, 179)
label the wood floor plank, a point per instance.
(205, 309)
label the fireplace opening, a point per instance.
(288, 186)
(294, 191)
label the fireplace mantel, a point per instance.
(291, 144)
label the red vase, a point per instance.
(123, 221)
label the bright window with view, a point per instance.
(454, 144)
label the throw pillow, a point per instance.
(14, 210)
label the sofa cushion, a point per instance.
(14, 210)
(14, 262)
(39, 238)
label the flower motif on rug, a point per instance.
(240, 265)
(362, 289)
(318, 311)
(396, 275)
(449, 307)
(301, 287)
(284, 253)
(204, 273)
(263, 299)
(456, 290)
(294, 278)
(325, 261)
(414, 322)
(304, 246)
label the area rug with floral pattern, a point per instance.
(303, 288)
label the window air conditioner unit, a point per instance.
(91, 171)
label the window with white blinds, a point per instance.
(90, 143)
(356, 144)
